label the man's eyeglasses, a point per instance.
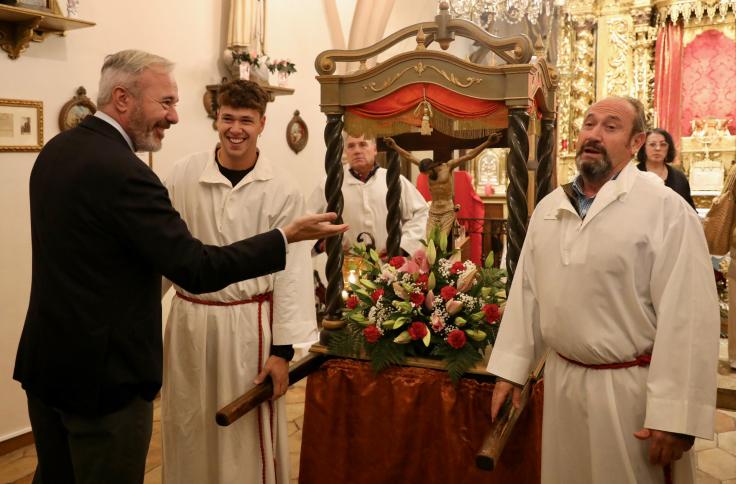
(167, 104)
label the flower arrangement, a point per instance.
(247, 57)
(430, 304)
(282, 65)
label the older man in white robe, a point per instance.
(364, 194)
(219, 345)
(615, 281)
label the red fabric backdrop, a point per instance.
(471, 206)
(708, 76)
(668, 79)
(408, 425)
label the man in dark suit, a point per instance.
(103, 232)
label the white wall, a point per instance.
(191, 33)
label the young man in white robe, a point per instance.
(614, 271)
(364, 194)
(219, 345)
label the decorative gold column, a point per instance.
(645, 37)
(614, 50)
(576, 64)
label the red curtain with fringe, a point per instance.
(449, 102)
(408, 425)
(668, 79)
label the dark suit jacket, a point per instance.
(103, 232)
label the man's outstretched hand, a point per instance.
(312, 227)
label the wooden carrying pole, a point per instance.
(262, 392)
(501, 428)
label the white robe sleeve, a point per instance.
(681, 387)
(294, 319)
(414, 213)
(317, 203)
(519, 343)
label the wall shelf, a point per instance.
(210, 96)
(21, 26)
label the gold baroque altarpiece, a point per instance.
(607, 48)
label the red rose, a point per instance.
(456, 339)
(371, 334)
(397, 261)
(422, 281)
(352, 302)
(376, 295)
(491, 311)
(448, 292)
(417, 330)
(417, 298)
(457, 268)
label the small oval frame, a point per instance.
(75, 110)
(297, 133)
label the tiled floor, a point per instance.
(17, 467)
(716, 458)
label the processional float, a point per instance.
(430, 100)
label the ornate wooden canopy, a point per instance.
(516, 92)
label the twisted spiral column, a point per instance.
(393, 197)
(518, 176)
(333, 194)
(545, 149)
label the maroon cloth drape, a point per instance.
(451, 103)
(471, 207)
(408, 425)
(668, 79)
(708, 71)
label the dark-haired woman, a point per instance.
(656, 155)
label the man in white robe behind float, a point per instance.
(218, 345)
(364, 193)
(614, 271)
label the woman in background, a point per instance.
(656, 155)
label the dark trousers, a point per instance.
(75, 449)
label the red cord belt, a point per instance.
(258, 298)
(641, 360)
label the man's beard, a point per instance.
(594, 170)
(143, 136)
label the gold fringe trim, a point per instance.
(356, 125)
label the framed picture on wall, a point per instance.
(35, 4)
(75, 110)
(297, 133)
(21, 125)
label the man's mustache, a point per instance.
(592, 144)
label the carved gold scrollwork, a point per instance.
(576, 88)
(697, 9)
(451, 77)
(388, 82)
(14, 38)
(420, 67)
(583, 85)
(617, 76)
(564, 64)
(643, 60)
